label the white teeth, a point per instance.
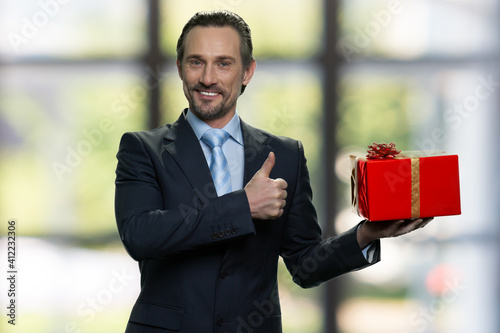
(208, 93)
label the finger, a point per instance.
(395, 224)
(415, 222)
(268, 165)
(283, 184)
(424, 222)
(412, 225)
(406, 227)
(283, 203)
(401, 232)
(284, 195)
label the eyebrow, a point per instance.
(219, 58)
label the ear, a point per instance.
(179, 69)
(249, 71)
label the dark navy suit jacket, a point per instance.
(205, 265)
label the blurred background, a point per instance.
(338, 75)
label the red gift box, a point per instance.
(410, 185)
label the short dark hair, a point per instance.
(220, 19)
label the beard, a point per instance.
(207, 110)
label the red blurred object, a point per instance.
(441, 279)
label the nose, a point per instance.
(208, 76)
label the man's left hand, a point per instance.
(372, 230)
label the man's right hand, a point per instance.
(266, 196)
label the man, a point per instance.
(208, 220)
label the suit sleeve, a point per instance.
(148, 230)
(310, 259)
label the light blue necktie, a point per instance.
(219, 167)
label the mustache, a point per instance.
(212, 88)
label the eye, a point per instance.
(224, 64)
(195, 63)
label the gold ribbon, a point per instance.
(415, 187)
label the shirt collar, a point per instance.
(233, 127)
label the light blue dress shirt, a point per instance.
(232, 148)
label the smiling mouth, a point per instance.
(207, 93)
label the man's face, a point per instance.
(212, 72)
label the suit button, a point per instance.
(220, 322)
(234, 230)
(223, 274)
(221, 233)
(214, 236)
(228, 232)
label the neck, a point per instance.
(217, 123)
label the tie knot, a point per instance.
(215, 137)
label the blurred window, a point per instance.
(423, 74)
(70, 85)
(72, 29)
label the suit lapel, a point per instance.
(256, 150)
(181, 143)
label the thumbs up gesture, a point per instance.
(266, 196)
